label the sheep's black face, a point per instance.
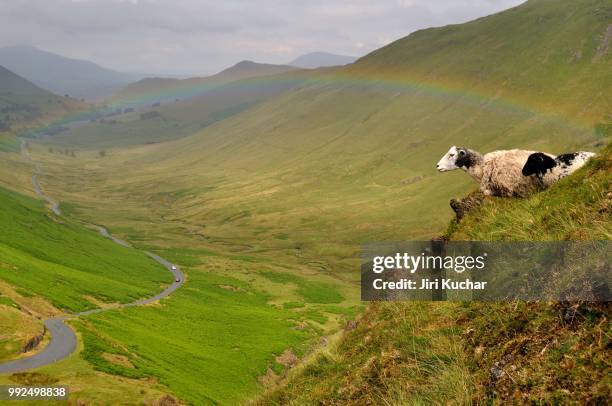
(538, 164)
(455, 158)
(464, 160)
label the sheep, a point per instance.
(499, 172)
(550, 169)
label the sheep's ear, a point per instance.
(461, 152)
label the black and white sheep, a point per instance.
(499, 172)
(550, 169)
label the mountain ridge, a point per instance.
(157, 89)
(61, 75)
(315, 60)
(542, 52)
(12, 82)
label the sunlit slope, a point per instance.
(549, 54)
(51, 266)
(65, 263)
(558, 351)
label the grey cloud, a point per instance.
(114, 16)
(203, 36)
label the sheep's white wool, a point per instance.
(499, 172)
(570, 163)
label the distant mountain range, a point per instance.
(61, 75)
(168, 89)
(87, 80)
(321, 59)
(250, 69)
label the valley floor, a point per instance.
(264, 193)
(231, 294)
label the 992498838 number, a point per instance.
(8, 392)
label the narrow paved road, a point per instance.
(52, 203)
(63, 340)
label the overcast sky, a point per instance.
(203, 36)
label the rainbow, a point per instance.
(397, 83)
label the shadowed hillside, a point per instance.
(24, 105)
(61, 75)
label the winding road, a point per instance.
(63, 339)
(52, 203)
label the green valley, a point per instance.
(263, 187)
(63, 262)
(352, 152)
(51, 266)
(181, 118)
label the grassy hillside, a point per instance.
(397, 354)
(466, 353)
(63, 262)
(577, 208)
(178, 119)
(222, 331)
(294, 184)
(153, 90)
(51, 265)
(24, 105)
(350, 156)
(59, 262)
(555, 352)
(551, 55)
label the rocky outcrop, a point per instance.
(462, 206)
(33, 342)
